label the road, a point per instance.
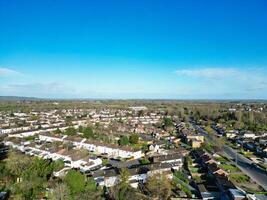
(257, 174)
(254, 172)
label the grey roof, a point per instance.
(166, 157)
(237, 193)
(142, 169)
(261, 197)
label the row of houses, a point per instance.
(18, 122)
(223, 183)
(42, 127)
(72, 158)
(138, 174)
(52, 147)
(190, 136)
(96, 147)
(248, 140)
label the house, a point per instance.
(249, 135)
(194, 140)
(51, 138)
(223, 182)
(195, 137)
(207, 160)
(195, 143)
(236, 194)
(214, 169)
(92, 164)
(153, 148)
(16, 143)
(205, 194)
(176, 158)
(232, 109)
(263, 140)
(257, 197)
(111, 150)
(4, 195)
(110, 177)
(230, 135)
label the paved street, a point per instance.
(257, 174)
(254, 172)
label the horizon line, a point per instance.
(130, 99)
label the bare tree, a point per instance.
(158, 186)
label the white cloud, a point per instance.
(225, 82)
(8, 72)
(213, 73)
(51, 89)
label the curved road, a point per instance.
(257, 174)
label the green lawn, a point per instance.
(193, 169)
(239, 178)
(222, 159)
(230, 168)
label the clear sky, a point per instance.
(134, 49)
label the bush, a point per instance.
(88, 132)
(123, 141)
(180, 175)
(30, 138)
(75, 181)
(144, 161)
(105, 162)
(91, 184)
(134, 138)
(70, 131)
(58, 165)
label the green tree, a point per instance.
(68, 120)
(140, 113)
(29, 188)
(134, 138)
(70, 131)
(124, 140)
(123, 187)
(144, 161)
(58, 165)
(68, 145)
(88, 132)
(17, 163)
(75, 181)
(124, 177)
(90, 185)
(41, 168)
(167, 123)
(80, 129)
(105, 162)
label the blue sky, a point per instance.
(134, 49)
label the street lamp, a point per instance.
(236, 157)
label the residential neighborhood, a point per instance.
(202, 159)
(133, 100)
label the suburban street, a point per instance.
(254, 172)
(257, 174)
